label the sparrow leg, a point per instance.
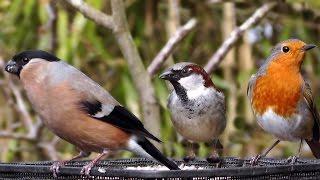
(57, 164)
(217, 149)
(293, 159)
(87, 168)
(255, 160)
(191, 149)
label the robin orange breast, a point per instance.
(281, 99)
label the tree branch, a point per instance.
(118, 23)
(17, 136)
(21, 106)
(140, 76)
(52, 25)
(91, 13)
(50, 148)
(235, 35)
(165, 52)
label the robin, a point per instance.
(282, 100)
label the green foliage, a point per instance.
(91, 48)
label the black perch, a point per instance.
(232, 168)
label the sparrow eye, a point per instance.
(285, 49)
(186, 71)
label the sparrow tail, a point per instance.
(315, 148)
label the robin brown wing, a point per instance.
(250, 84)
(314, 142)
(307, 94)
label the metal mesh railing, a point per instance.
(231, 169)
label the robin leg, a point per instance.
(87, 168)
(293, 159)
(216, 152)
(254, 160)
(192, 149)
(57, 164)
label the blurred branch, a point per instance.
(223, 1)
(299, 9)
(21, 106)
(165, 52)
(173, 19)
(140, 76)
(149, 19)
(118, 23)
(173, 22)
(52, 24)
(32, 128)
(228, 24)
(91, 13)
(50, 148)
(310, 15)
(17, 136)
(235, 35)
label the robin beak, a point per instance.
(308, 47)
(169, 75)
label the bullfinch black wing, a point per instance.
(119, 116)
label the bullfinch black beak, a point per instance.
(169, 75)
(308, 47)
(12, 67)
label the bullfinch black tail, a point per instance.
(155, 153)
(144, 147)
(315, 148)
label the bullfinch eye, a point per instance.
(25, 60)
(285, 49)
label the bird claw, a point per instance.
(254, 161)
(86, 169)
(292, 160)
(54, 168)
(214, 159)
(189, 159)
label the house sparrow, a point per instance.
(197, 107)
(78, 110)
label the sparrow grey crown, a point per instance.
(175, 72)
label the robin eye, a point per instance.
(285, 49)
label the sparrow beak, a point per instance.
(166, 75)
(169, 75)
(12, 67)
(308, 47)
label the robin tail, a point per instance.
(144, 147)
(315, 148)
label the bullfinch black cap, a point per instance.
(17, 62)
(31, 54)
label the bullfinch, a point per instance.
(80, 111)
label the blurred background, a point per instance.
(56, 27)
